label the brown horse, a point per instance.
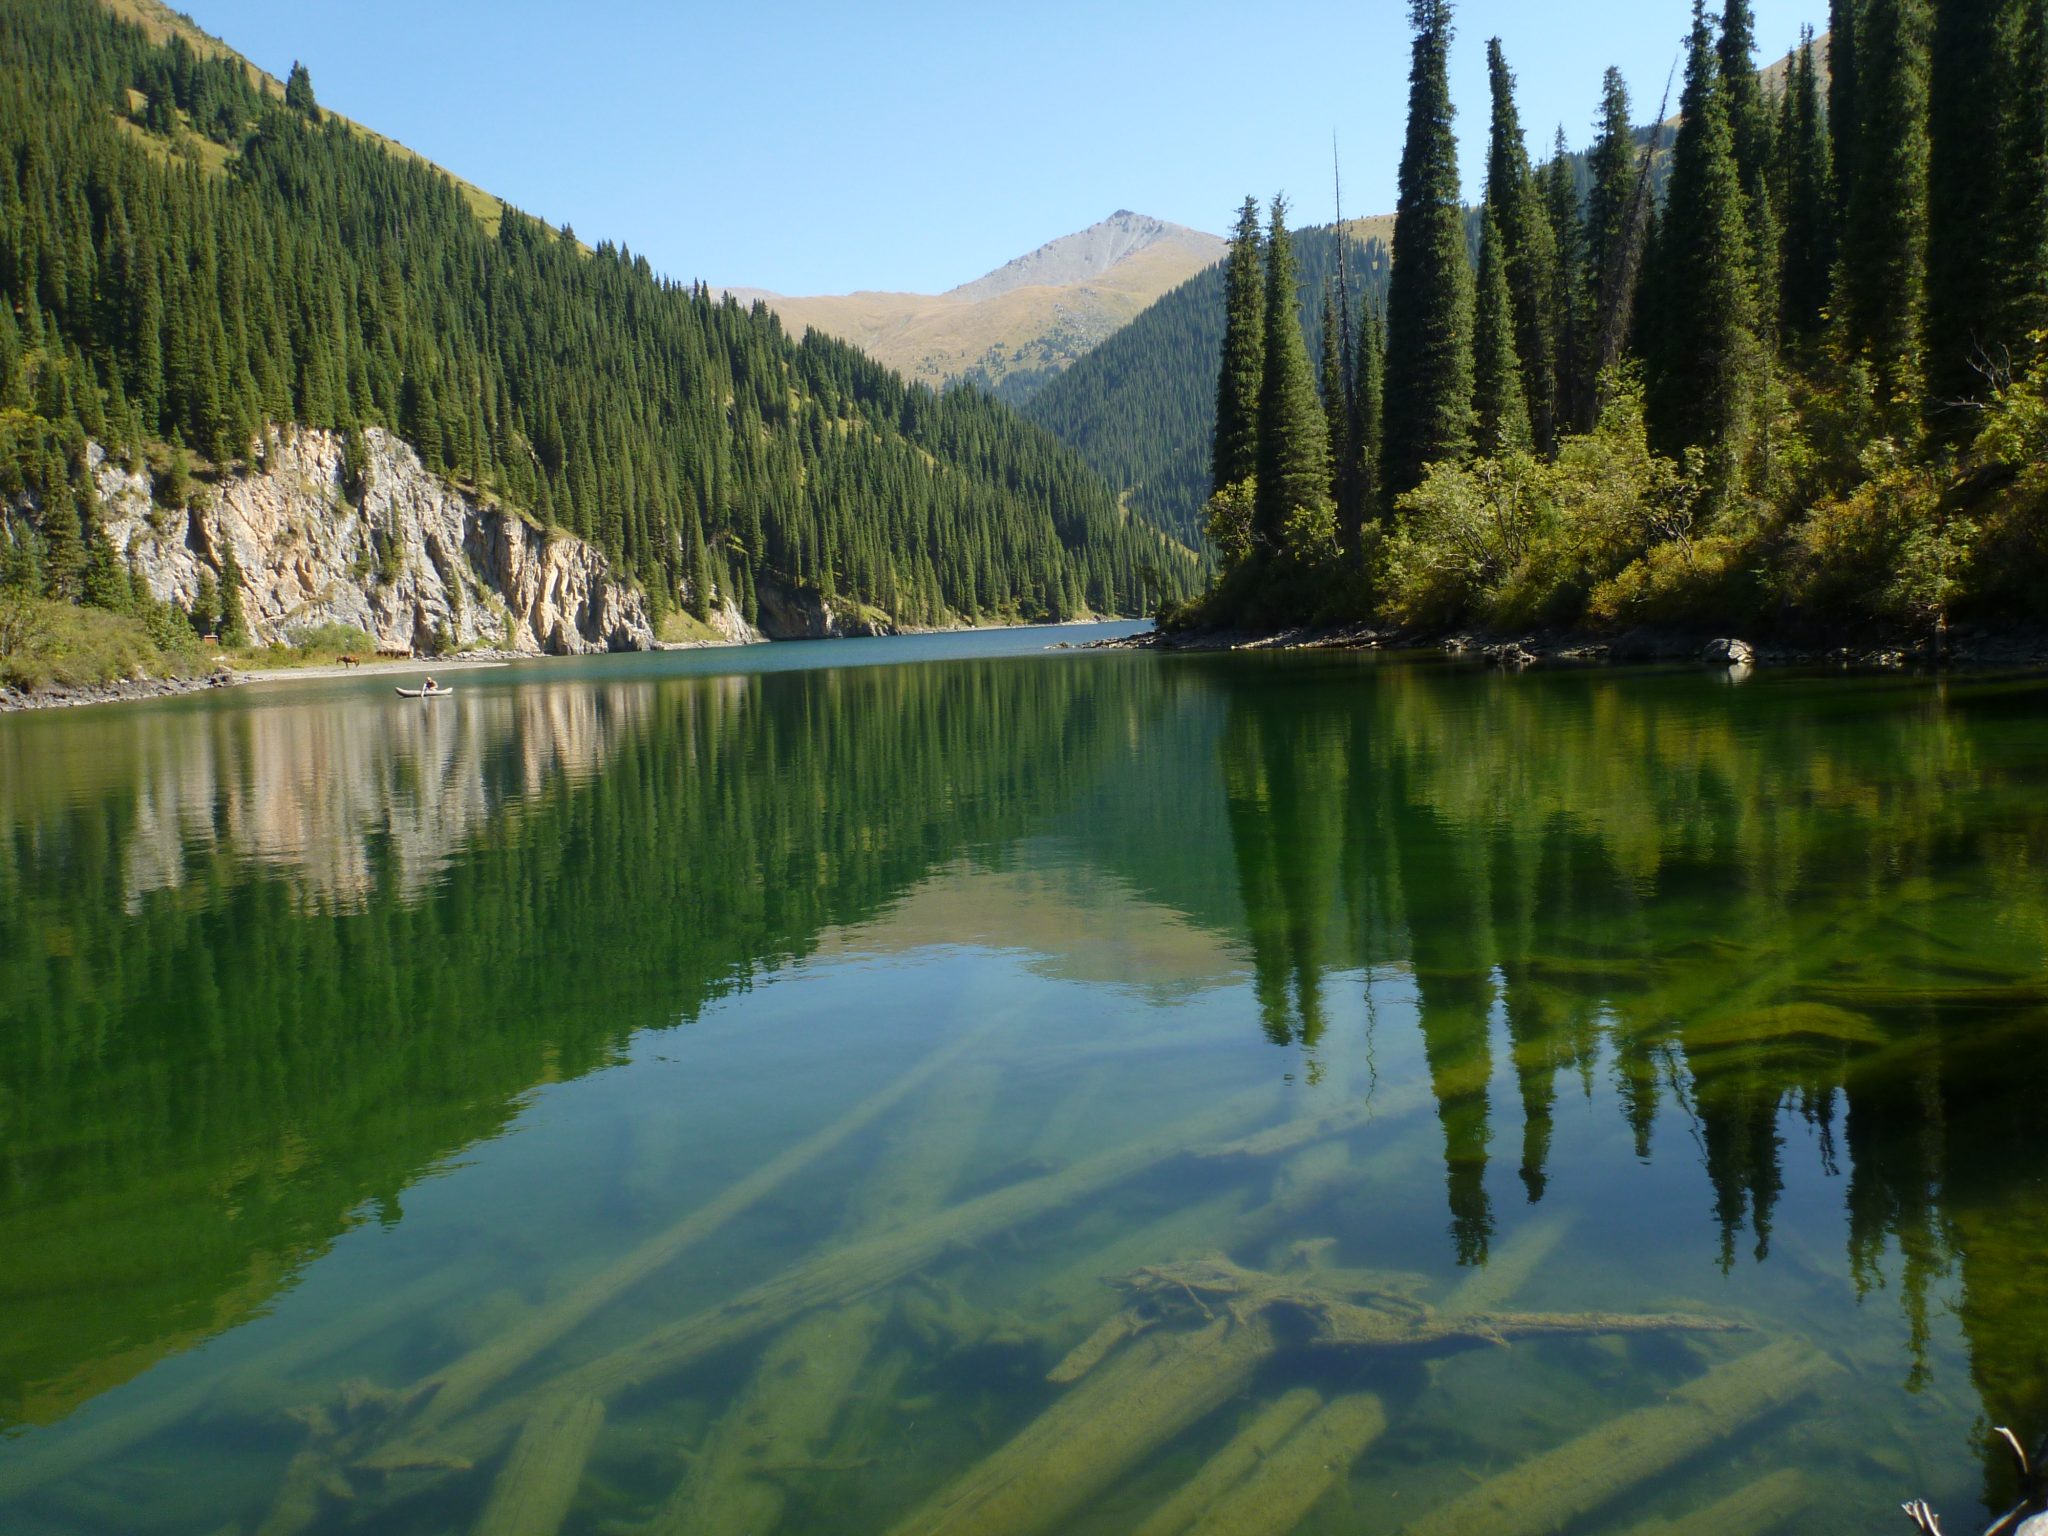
(350, 661)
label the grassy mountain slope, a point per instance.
(1018, 327)
(307, 273)
(159, 23)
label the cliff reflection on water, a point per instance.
(261, 969)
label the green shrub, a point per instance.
(340, 639)
(1891, 548)
(62, 643)
(1515, 540)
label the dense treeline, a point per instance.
(1805, 385)
(187, 259)
(1139, 408)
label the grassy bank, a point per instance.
(45, 644)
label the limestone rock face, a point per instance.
(410, 559)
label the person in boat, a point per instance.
(432, 686)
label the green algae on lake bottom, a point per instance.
(1088, 1093)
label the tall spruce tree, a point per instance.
(1235, 455)
(1528, 250)
(1754, 133)
(1971, 92)
(1845, 111)
(1336, 392)
(1615, 212)
(1294, 446)
(1568, 254)
(1809, 249)
(1368, 405)
(1500, 410)
(1704, 351)
(298, 91)
(1884, 250)
(1429, 299)
(2025, 216)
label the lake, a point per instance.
(948, 1085)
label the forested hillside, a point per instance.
(186, 260)
(1805, 388)
(1139, 407)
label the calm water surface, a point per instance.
(942, 1085)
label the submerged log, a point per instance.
(538, 1482)
(1764, 1505)
(301, 1495)
(1140, 1399)
(102, 1442)
(1388, 1318)
(457, 1386)
(784, 1413)
(1089, 1353)
(1230, 1466)
(1277, 1493)
(1544, 1493)
(1079, 1294)
(781, 1418)
(854, 1269)
(1508, 1268)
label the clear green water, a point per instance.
(362, 1065)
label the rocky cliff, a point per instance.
(801, 613)
(380, 544)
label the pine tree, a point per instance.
(105, 583)
(1368, 405)
(298, 92)
(697, 568)
(1528, 250)
(1755, 131)
(205, 611)
(1970, 94)
(1884, 252)
(1429, 301)
(2025, 215)
(1704, 347)
(234, 628)
(63, 546)
(1499, 407)
(1235, 455)
(1294, 448)
(1615, 213)
(1809, 249)
(1337, 410)
(1845, 110)
(1568, 255)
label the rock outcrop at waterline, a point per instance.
(380, 544)
(801, 613)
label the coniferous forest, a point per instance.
(1780, 362)
(188, 258)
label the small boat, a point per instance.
(424, 693)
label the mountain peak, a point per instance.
(1089, 253)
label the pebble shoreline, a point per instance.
(1967, 647)
(59, 696)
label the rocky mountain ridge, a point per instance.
(1091, 253)
(1014, 329)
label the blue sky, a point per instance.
(819, 148)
